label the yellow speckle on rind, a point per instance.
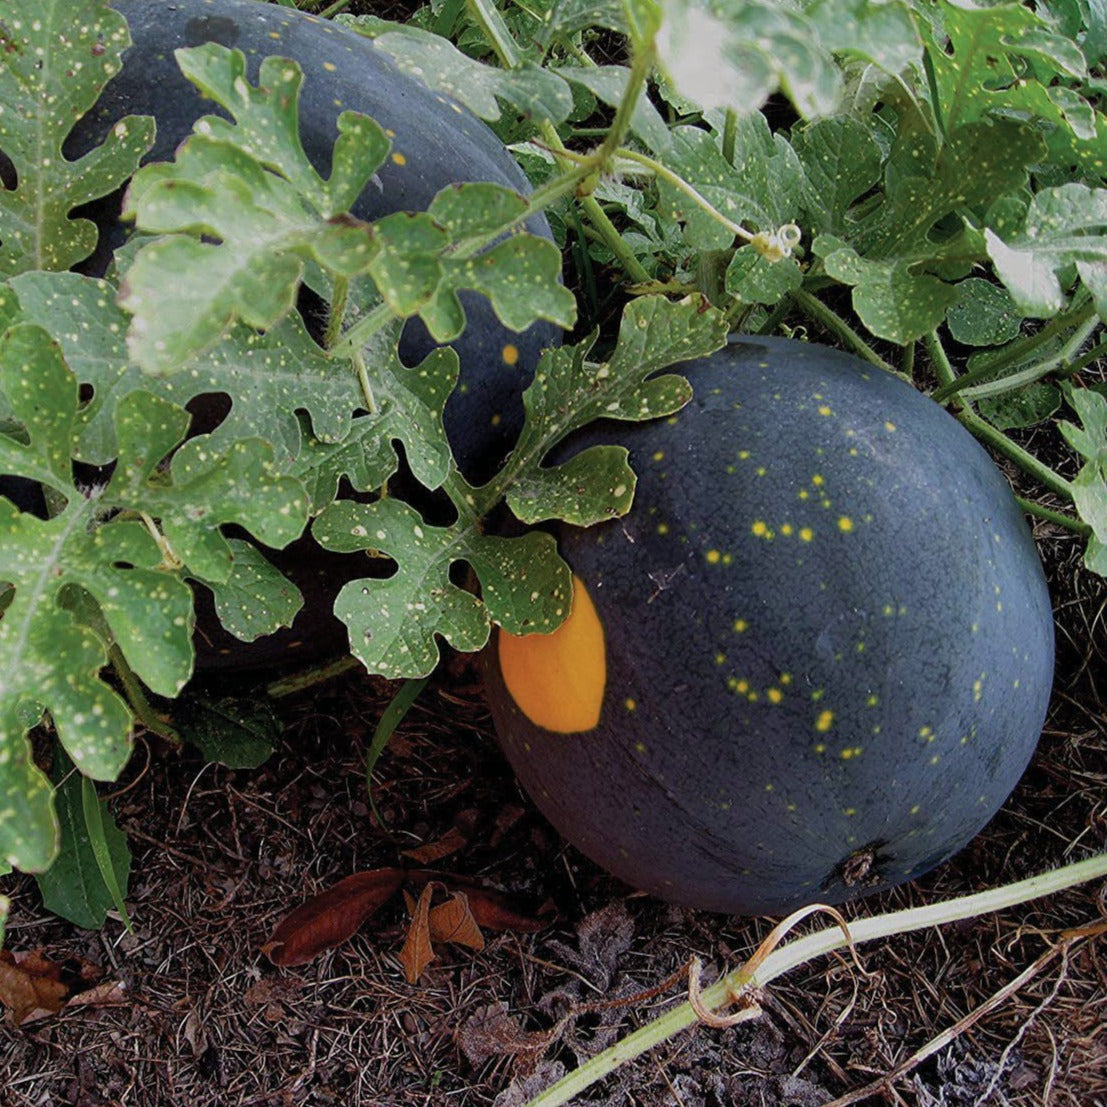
(558, 680)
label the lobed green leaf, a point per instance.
(57, 59)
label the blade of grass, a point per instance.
(390, 719)
(94, 825)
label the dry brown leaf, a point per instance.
(332, 917)
(31, 985)
(491, 910)
(108, 993)
(450, 842)
(452, 921)
(418, 952)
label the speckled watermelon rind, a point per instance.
(829, 642)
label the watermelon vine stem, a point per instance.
(984, 430)
(800, 952)
(1013, 382)
(1081, 310)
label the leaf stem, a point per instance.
(298, 682)
(679, 183)
(984, 430)
(730, 134)
(137, 698)
(495, 31)
(827, 317)
(363, 380)
(640, 68)
(1084, 360)
(782, 960)
(1061, 518)
(1014, 381)
(337, 316)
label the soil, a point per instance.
(202, 1017)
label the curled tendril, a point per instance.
(774, 245)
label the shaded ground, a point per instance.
(221, 856)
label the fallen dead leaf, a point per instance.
(332, 917)
(450, 842)
(492, 910)
(453, 921)
(418, 952)
(33, 986)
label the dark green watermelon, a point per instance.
(436, 142)
(827, 636)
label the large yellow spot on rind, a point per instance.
(557, 680)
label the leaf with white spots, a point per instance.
(56, 59)
(980, 70)
(1063, 228)
(569, 391)
(185, 291)
(148, 611)
(761, 189)
(891, 299)
(1089, 487)
(29, 833)
(595, 485)
(363, 458)
(50, 663)
(256, 598)
(393, 622)
(736, 53)
(269, 376)
(266, 125)
(207, 486)
(41, 396)
(525, 586)
(753, 279)
(841, 161)
(520, 278)
(983, 315)
(422, 262)
(566, 17)
(434, 61)
(409, 405)
(249, 186)
(878, 31)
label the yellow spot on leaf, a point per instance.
(825, 721)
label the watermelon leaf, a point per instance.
(57, 58)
